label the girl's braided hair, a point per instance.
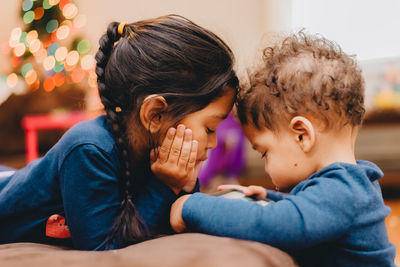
(169, 56)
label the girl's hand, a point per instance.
(176, 161)
(247, 190)
(175, 218)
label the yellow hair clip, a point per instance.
(121, 27)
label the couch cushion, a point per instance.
(187, 249)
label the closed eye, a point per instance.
(209, 131)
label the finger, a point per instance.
(165, 148)
(192, 157)
(185, 151)
(258, 190)
(176, 145)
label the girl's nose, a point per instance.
(212, 141)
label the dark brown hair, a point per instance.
(304, 75)
(169, 56)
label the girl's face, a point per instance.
(285, 161)
(204, 123)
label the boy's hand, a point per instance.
(247, 190)
(176, 220)
(176, 161)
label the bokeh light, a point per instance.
(61, 53)
(87, 62)
(3, 79)
(63, 3)
(32, 35)
(15, 61)
(46, 4)
(25, 68)
(35, 85)
(58, 67)
(72, 58)
(52, 25)
(26, 5)
(70, 11)
(28, 17)
(52, 49)
(12, 80)
(31, 76)
(54, 2)
(59, 79)
(63, 32)
(49, 62)
(34, 46)
(16, 33)
(19, 49)
(22, 38)
(39, 12)
(83, 47)
(49, 84)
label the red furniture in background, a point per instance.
(33, 123)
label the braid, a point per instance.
(128, 225)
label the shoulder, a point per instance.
(93, 132)
(342, 184)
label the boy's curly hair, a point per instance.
(304, 75)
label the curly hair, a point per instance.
(305, 75)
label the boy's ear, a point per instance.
(151, 112)
(303, 132)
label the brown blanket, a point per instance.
(176, 250)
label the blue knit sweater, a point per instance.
(76, 181)
(334, 218)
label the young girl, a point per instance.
(165, 84)
(302, 113)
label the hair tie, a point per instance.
(121, 28)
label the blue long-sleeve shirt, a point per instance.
(334, 218)
(77, 180)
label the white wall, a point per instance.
(368, 28)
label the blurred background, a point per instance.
(47, 79)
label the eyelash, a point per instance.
(263, 155)
(209, 131)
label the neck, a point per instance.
(337, 146)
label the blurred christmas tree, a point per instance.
(47, 53)
(52, 69)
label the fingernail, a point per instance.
(188, 132)
(181, 127)
(171, 131)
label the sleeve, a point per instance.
(89, 187)
(275, 196)
(311, 217)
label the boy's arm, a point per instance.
(275, 195)
(296, 222)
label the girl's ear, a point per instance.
(303, 132)
(151, 112)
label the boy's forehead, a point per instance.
(250, 131)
